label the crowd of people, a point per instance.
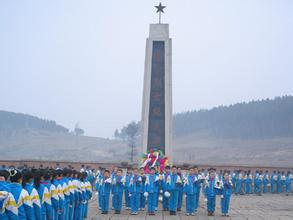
(64, 193)
(141, 188)
(44, 194)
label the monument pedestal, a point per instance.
(157, 91)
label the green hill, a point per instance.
(11, 122)
(267, 118)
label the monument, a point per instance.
(157, 89)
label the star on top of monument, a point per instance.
(160, 8)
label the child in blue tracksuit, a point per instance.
(98, 183)
(288, 182)
(189, 190)
(283, 181)
(8, 206)
(248, 183)
(266, 181)
(51, 204)
(135, 187)
(197, 187)
(180, 190)
(173, 184)
(226, 191)
(29, 187)
(117, 191)
(274, 180)
(210, 191)
(258, 178)
(22, 198)
(163, 181)
(105, 189)
(142, 197)
(126, 188)
(151, 190)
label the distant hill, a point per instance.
(13, 122)
(267, 118)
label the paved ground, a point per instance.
(267, 207)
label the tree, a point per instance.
(78, 131)
(132, 131)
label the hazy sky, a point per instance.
(83, 60)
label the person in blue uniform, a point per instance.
(180, 190)
(99, 181)
(8, 206)
(117, 191)
(173, 184)
(189, 190)
(105, 189)
(199, 179)
(151, 190)
(22, 198)
(58, 183)
(28, 185)
(163, 184)
(258, 178)
(226, 192)
(248, 183)
(142, 197)
(135, 187)
(52, 199)
(266, 181)
(274, 180)
(288, 182)
(126, 188)
(211, 183)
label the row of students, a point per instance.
(261, 182)
(142, 189)
(40, 194)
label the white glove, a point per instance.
(222, 196)
(146, 194)
(161, 191)
(185, 196)
(129, 194)
(167, 194)
(97, 193)
(205, 199)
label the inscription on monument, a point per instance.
(156, 130)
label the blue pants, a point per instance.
(127, 198)
(279, 187)
(265, 188)
(85, 208)
(117, 201)
(211, 204)
(225, 203)
(173, 200)
(180, 198)
(76, 210)
(134, 201)
(142, 201)
(196, 201)
(166, 201)
(49, 211)
(248, 188)
(152, 197)
(288, 187)
(273, 187)
(238, 187)
(190, 203)
(105, 202)
(70, 211)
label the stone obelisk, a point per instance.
(157, 90)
